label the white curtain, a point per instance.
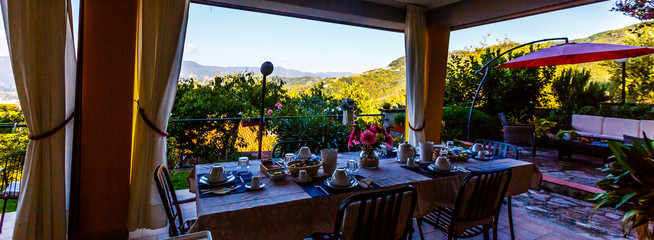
(39, 34)
(415, 42)
(161, 36)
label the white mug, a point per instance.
(303, 176)
(329, 160)
(304, 152)
(217, 173)
(340, 177)
(255, 183)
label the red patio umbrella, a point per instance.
(571, 53)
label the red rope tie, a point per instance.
(53, 131)
(150, 124)
(418, 129)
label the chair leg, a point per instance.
(508, 207)
(4, 209)
(486, 235)
(419, 223)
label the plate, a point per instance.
(435, 169)
(353, 183)
(297, 180)
(412, 167)
(249, 186)
(205, 180)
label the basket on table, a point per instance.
(310, 166)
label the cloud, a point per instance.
(191, 49)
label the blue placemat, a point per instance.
(313, 191)
(237, 181)
(423, 170)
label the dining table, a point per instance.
(288, 210)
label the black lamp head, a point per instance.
(266, 68)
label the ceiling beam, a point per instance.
(472, 13)
(351, 12)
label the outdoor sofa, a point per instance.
(611, 128)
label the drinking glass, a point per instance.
(352, 167)
(450, 144)
(243, 165)
(289, 157)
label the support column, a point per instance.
(103, 122)
(438, 40)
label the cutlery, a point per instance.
(220, 190)
(322, 189)
(240, 178)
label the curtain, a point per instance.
(42, 52)
(415, 35)
(162, 29)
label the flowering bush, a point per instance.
(641, 9)
(374, 136)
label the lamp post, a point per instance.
(624, 73)
(266, 69)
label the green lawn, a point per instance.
(11, 205)
(178, 177)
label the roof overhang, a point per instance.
(390, 14)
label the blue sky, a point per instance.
(227, 37)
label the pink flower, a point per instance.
(375, 129)
(278, 105)
(354, 136)
(270, 111)
(368, 138)
(389, 140)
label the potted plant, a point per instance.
(369, 139)
(386, 106)
(629, 185)
(398, 123)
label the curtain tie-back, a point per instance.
(150, 124)
(418, 129)
(53, 131)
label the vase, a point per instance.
(368, 157)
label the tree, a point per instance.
(640, 9)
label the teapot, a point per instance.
(405, 151)
(443, 163)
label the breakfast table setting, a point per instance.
(299, 194)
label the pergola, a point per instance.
(105, 112)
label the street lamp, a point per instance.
(266, 69)
(624, 73)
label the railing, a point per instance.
(338, 116)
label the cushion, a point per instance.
(588, 134)
(648, 127)
(620, 126)
(587, 123)
(609, 137)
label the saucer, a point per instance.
(205, 180)
(435, 169)
(398, 160)
(353, 183)
(297, 180)
(249, 186)
(414, 166)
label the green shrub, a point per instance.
(328, 132)
(455, 120)
(399, 119)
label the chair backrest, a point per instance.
(293, 146)
(499, 149)
(480, 196)
(379, 214)
(503, 119)
(169, 200)
(11, 175)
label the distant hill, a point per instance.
(192, 69)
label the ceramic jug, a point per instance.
(426, 151)
(405, 151)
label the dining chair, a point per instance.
(203, 235)
(10, 178)
(500, 149)
(477, 206)
(385, 214)
(284, 147)
(177, 226)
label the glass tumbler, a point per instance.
(243, 166)
(352, 167)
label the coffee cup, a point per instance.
(255, 183)
(340, 178)
(481, 154)
(411, 162)
(303, 176)
(304, 153)
(217, 173)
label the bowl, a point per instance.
(310, 166)
(277, 175)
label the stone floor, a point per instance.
(580, 169)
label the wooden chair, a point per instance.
(177, 226)
(204, 235)
(377, 215)
(499, 149)
(477, 206)
(10, 177)
(284, 147)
